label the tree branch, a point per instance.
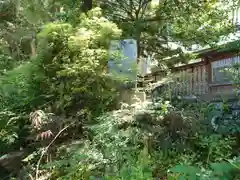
(144, 7)
(138, 9)
(46, 148)
(153, 19)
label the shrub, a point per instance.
(73, 60)
(20, 88)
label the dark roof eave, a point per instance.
(189, 65)
(215, 50)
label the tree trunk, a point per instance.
(86, 5)
(33, 48)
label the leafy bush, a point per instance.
(119, 140)
(19, 94)
(20, 88)
(222, 170)
(73, 60)
(127, 144)
(116, 137)
(12, 125)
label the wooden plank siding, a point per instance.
(205, 79)
(193, 80)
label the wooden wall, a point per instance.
(196, 79)
(191, 80)
(223, 90)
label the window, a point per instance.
(219, 74)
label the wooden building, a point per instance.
(205, 76)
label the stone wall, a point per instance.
(129, 96)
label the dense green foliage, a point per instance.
(73, 60)
(58, 117)
(157, 26)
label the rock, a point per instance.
(144, 118)
(13, 160)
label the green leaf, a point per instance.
(185, 169)
(221, 168)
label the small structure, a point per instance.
(205, 76)
(123, 59)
